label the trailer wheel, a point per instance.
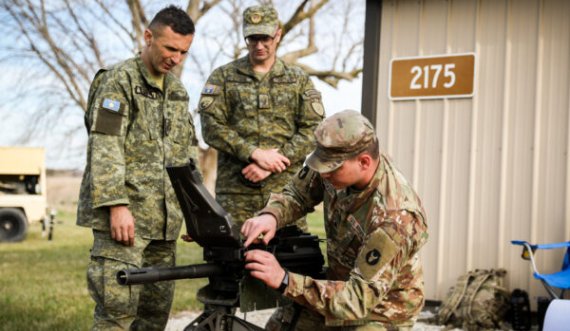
(13, 225)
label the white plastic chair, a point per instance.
(557, 316)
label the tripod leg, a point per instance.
(237, 324)
(209, 320)
(220, 319)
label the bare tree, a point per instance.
(54, 48)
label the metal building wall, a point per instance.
(494, 167)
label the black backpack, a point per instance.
(519, 314)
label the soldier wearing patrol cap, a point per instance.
(138, 122)
(375, 226)
(260, 114)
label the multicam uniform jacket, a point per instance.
(373, 239)
(135, 130)
(240, 113)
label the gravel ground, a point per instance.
(181, 320)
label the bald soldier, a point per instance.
(260, 114)
(375, 226)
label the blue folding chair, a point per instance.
(558, 280)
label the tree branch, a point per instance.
(301, 15)
(139, 22)
(331, 77)
(196, 12)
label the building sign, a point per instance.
(443, 76)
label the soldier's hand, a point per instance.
(187, 238)
(270, 159)
(255, 173)
(122, 225)
(265, 267)
(259, 229)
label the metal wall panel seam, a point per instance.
(441, 222)
(443, 226)
(567, 213)
(418, 117)
(391, 109)
(537, 127)
(443, 214)
(473, 151)
(417, 126)
(417, 129)
(504, 140)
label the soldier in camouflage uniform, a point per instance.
(375, 226)
(138, 123)
(260, 114)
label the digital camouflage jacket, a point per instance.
(240, 113)
(135, 130)
(373, 242)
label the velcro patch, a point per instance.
(284, 80)
(178, 96)
(109, 117)
(379, 250)
(313, 94)
(211, 89)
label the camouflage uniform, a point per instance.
(135, 129)
(375, 279)
(240, 112)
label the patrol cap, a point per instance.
(339, 138)
(260, 20)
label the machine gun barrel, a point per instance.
(150, 275)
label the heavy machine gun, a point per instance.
(229, 284)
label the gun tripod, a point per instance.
(219, 314)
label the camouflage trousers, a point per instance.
(307, 320)
(244, 206)
(135, 307)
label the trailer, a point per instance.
(23, 195)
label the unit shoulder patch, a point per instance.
(379, 250)
(318, 108)
(205, 102)
(313, 96)
(373, 256)
(178, 96)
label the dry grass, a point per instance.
(63, 190)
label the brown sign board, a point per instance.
(445, 76)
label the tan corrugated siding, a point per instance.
(494, 167)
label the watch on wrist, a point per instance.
(284, 283)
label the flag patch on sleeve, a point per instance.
(210, 89)
(111, 104)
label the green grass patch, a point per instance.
(43, 283)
